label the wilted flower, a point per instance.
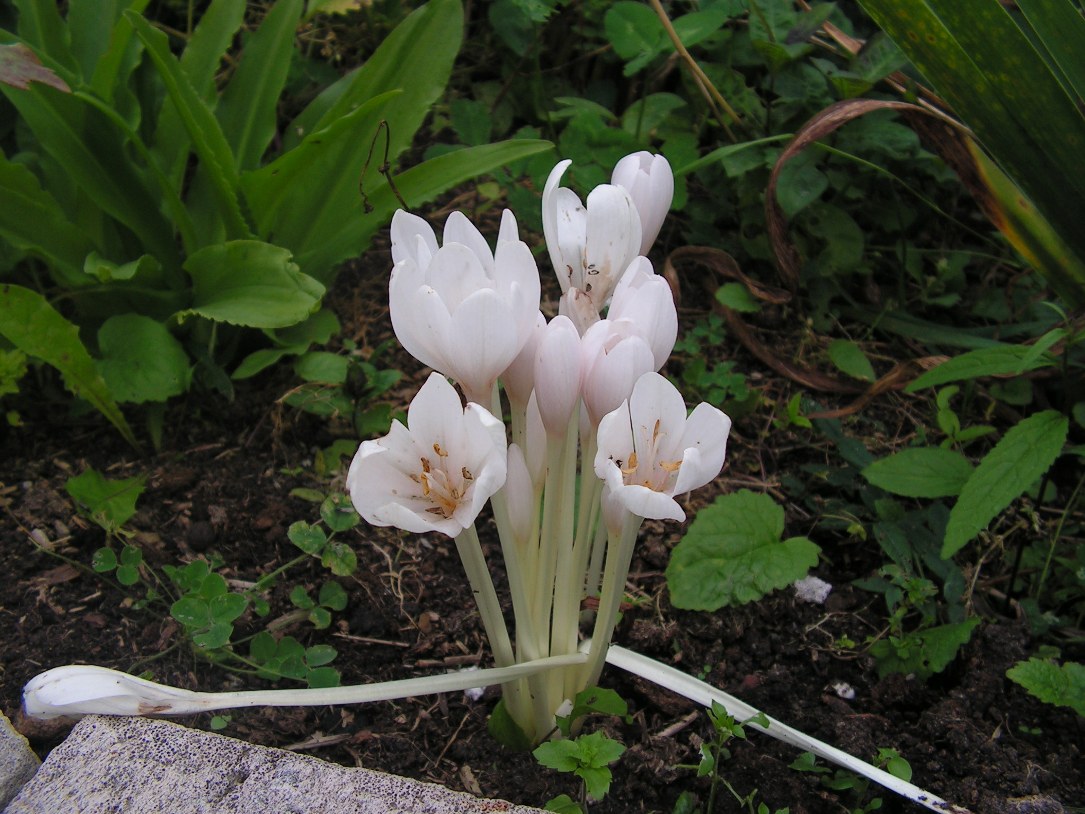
(436, 473)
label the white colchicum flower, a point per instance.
(590, 245)
(615, 357)
(649, 181)
(649, 451)
(461, 309)
(436, 473)
(644, 302)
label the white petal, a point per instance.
(648, 503)
(435, 415)
(704, 445)
(406, 231)
(612, 240)
(458, 229)
(557, 374)
(484, 341)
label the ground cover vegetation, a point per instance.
(886, 304)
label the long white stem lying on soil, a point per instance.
(703, 693)
(89, 690)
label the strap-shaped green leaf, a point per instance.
(216, 157)
(248, 107)
(1060, 28)
(32, 220)
(308, 199)
(980, 61)
(91, 150)
(41, 26)
(32, 325)
(416, 58)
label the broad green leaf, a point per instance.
(227, 607)
(310, 539)
(737, 297)
(110, 501)
(104, 560)
(927, 472)
(216, 636)
(248, 107)
(1001, 360)
(635, 33)
(1022, 455)
(1062, 685)
(504, 729)
(1060, 29)
(41, 26)
(191, 612)
(849, 358)
(339, 559)
(262, 647)
(320, 677)
(323, 366)
(319, 654)
(141, 360)
(216, 158)
(732, 553)
(338, 513)
(333, 596)
(33, 326)
(925, 652)
(246, 282)
(32, 220)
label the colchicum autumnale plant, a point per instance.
(597, 439)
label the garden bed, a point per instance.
(222, 485)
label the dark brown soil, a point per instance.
(970, 734)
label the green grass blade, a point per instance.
(41, 26)
(216, 157)
(248, 107)
(33, 326)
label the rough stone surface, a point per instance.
(17, 762)
(140, 766)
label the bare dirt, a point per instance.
(221, 484)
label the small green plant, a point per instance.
(732, 553)
(1059, 684)
(586, 756)
(842, 780)
(714, 753)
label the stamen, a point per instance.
(465, 473)
(440, 452)
(425, 465)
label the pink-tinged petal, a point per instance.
(568, 246)
(519, 494)
(421, 323)
(650, 181)
(580, 308)
(435, 414)
(612, 373)
(612, 240)
(519, 377)
(648, 503)
(516, 277)
(535, 441)
(645, 299)
(657, 411)
(484, 335)
(557, 374)
(458, 229)
(406, 231)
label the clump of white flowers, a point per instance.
(597, 440)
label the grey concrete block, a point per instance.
(141, 766)
(17, 762)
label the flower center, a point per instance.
(648, 469)
(443, 490)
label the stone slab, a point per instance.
(143, 766)
(17, 761)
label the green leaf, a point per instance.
(191, 612)
(504, 729)
(104, 560)
(217, 160)
(849, 358)
(228, 607)
(141, 360)
(299, 598)
(926, 472)
(563, 804)
(732, 553)
(339, 559)
(127, 575)
(737, 297)
(216, 636)
(323, 367)
(923, 653)
(310, 539)
(338, 513)
(1062, 685)
(332, 596)
(635, 33)
(246, 282)
(322, 677)
(471, 120)
(1001, 360)
(262, 647)
(1022, 455)
(248, 108)
(112, 502)
(320, 654)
